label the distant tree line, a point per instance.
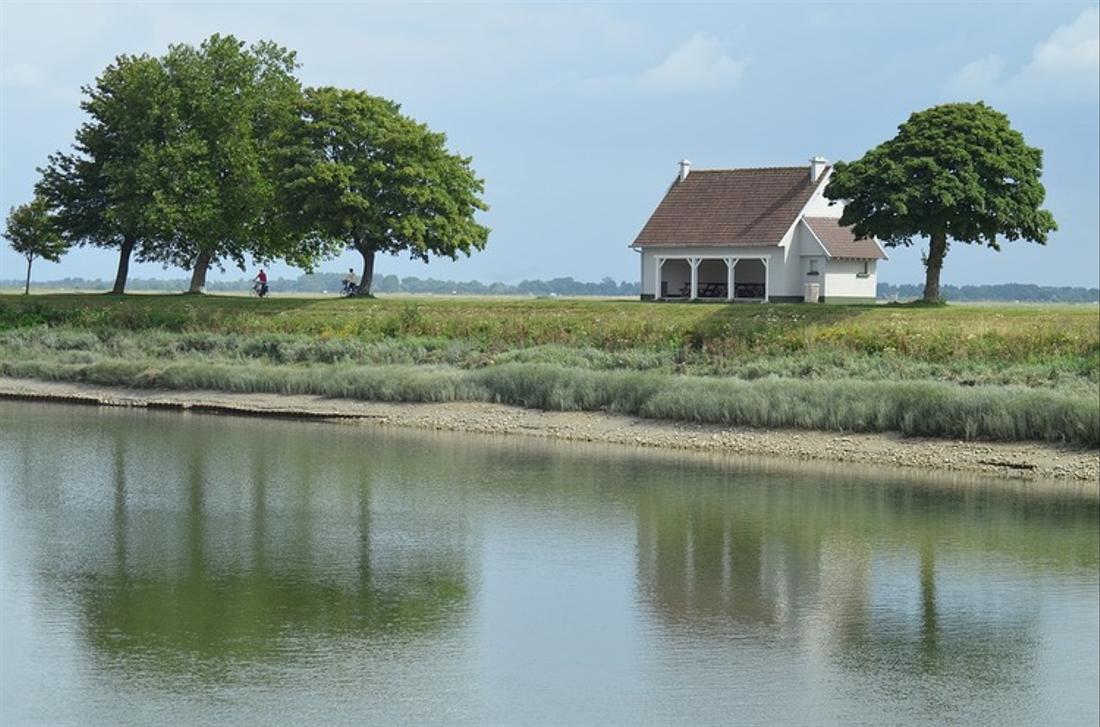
(331, 283)
(1008, 292)
(215, 155)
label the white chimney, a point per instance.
(817, 166)
(685, 168)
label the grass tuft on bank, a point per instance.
(920, 408)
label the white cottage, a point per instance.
(755, 235)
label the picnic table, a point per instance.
(706, 290)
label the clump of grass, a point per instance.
(919, 408)
(1066, 373)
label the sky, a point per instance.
(576, 115)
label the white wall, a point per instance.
(842, 281)
(819, 206)
(810, 249)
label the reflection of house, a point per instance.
(753, 234)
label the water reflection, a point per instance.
(213, 554)
(879, 578)
(480, 578)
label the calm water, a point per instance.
(190, 569)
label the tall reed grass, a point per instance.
(83, 346)
(916, 408)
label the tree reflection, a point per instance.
(699, 559)
(208, 592)
(929, 624)
(726, 562)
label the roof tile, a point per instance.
(730, 207)
(841, 242)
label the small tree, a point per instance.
(34, 234)
(358, 174)
(953, 172)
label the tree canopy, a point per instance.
(105, 192)
(358, 174)
(233, 103)
(954, 172)
(33, 233)
(211, 155)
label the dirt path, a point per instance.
(1019, 460)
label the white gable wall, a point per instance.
(784, 277)
(810, 249)
(819, 205)
(842, 280)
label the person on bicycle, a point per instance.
(351, 282)
(261, 283)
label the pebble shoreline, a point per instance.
(1014, 460)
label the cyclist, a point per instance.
(260, 283)
(351, 282)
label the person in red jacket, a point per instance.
(261, 283)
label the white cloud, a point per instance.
(1066, 65)
(1071, 48)
(977, 76)
(700, 63)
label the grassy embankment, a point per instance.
(975, 372)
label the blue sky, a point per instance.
(576, 115)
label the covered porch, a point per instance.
(725, 278)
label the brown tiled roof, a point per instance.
(730, 207)
(840, 242)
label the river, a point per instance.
(173, 568)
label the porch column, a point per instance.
(658, 263)
(731, 263)
(694, 263)
(765, 261)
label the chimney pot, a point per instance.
(685, 169)
(817, 166)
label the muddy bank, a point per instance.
(1019, 460)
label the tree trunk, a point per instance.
(937, 249)
(368, 269)
(124, 254)
(27, 288)
(198, 276)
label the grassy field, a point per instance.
(995, 372)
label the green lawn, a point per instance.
(997, 371)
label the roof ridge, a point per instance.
(745, 169)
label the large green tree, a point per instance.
(33, 233)
(360, 175)
(233, 104)
(953, 172)
(106, 191)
